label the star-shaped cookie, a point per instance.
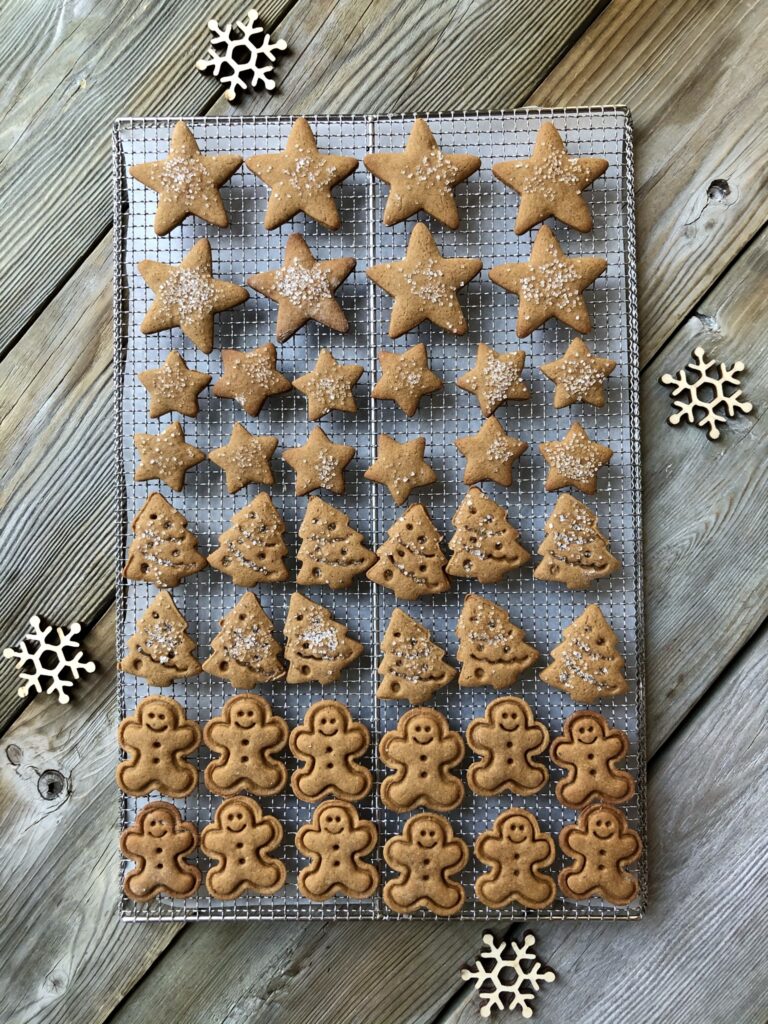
(550, 182)
(166, 456)
(319, 463)
(173, 387)
(490, 454)
(329, 386)
(579, 376)
(549, 284)
(574, 461)
(187, 295)
(245, 458)
(495, 378)
(406, 378)
(187, 182)
(303, 289)
(424, 285)
(250, 377)
(300, 179)
(422, 177)
(400, 466)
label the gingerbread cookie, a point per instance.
(336, 841)
(579, 376)
(250, 377)
(161, 650)
(507, 738)
(516, 851)
(187, 182)
(159, 842)
(329, 386)
(413, 667)
(590, 750)
(574, 461)
(422, 177)
(422, 750)
(426, 857)
(301, 178)
(485, 545)
(424, 285)
(574, 551)
(490, 453)
(304, 289)
(586, 664)
(550, 284)
(173, 387)
(406, 378)
(157, 738)
(240, 840)
(319, 463)
(411, 562)
(550, 182)
(601, 845)
(246, 738)
(317, 647)
(252, 551)
(495, 379)
(244, 652)
(245, 459)
(331, 552)
(166, 456)
(492, 650)
(400, 466)
(329, 744)
(163, 551)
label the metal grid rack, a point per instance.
(487, 212)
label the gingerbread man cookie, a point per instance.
(516, 850)
(159, 842)
(329, 744)
(507, 738)
(422, 750)
(246, 737)
(426, 856)
(157, 738)
(336, 840)
(601, 845)
(240, 840)
(590, 750)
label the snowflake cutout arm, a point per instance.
(720, 407)
(52, 660)
(514, 963)
(221, 59)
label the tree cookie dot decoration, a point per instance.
(238, 58)
(717, 409)
(49, 656)
(512, 967)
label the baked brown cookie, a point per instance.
(245, 459)
(173, 387)
(336, 841)
(426, 857)
(411, 562)
(250, 377)
(329, 386)
(586, 664)
(161, 650)
(516, 851)
(550, 182)
(413, 667)
(240, 840)
(166, 456)
(422, 750)
(424, 285)
(422, 177)
(319, 463)
(507, 738)
(590, 751)
(495, 379)
(159, 842)
(492, 650)
(329, 744)
(187, 182)
(485, 545)
(317, 647)
(246, 737)
(574, 461)
(301, 178)
(550, 284)
(490, 453)
(401, 467)
(244, 652)
(601, 845)
(579, 376)
(574, 551)
(304, 289)
(157, 738)
(406, 378)
(252, 551)
(163, 551)
(331, 552)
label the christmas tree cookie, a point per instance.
(251, 551)
(485, 545)
(574, 551)
(163, 551)
(161, 649)
(586, 664)
(317, 647)
(413, 667)
(411, 562)
(331, 551)
(244, 650)
(492, 650)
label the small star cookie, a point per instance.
(250, 377)
(550, 182)
(574, 461)
(300, 179)
(550, 284)
(490, 454)
(187, 295)
(245, 459)
(173, 387)
(495, 378)
(407, 378)
(303, 289)
(401, 467)
(424, 285)
(329, 386)
(319, 463)
(166, 456)
(422, 177)
(579, 376)
(187, 182)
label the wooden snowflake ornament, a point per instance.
(49, 656)
(715, 409)
(238, 59)
(510, 967)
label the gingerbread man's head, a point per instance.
(516, 827)
(586, 728)
(426, 831)
(328, 718)
(157, 714)
(236, 815)
(422, 728)
(246, 712)
(506, 714)
(334, 819)
(159, 823)
(603, 823)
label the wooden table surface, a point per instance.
(694, 74)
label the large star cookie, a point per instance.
(329, 386)
(319, 463)
(401, 466)
(406, 378)
(173, 387)
(422, 177)
(424, 285)
(495, 378)
(574, 461)
(301, 178)
(490, 454)
(579, 376)
(187, 182)
(250, 377)
(166, 456)
(245, 459)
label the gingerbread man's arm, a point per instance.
(451, 749)
(628, 848)
(355, 740)
(133, 843)
(361, 839)
(183, 839)
(185, 737)
(213, 841)
(131, 735)
(453, 854)
(563, 751)
(480, 736)
(533, 738)
(273, 735)
(613, 746)
(393, 748)
(216, 734)
(310, 839)
(304, 741)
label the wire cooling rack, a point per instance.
(487, 212)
